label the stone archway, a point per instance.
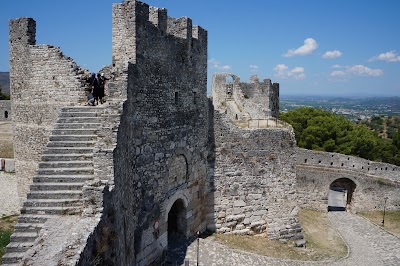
(177, 224)
(341, 192)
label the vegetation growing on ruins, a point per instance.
(321, 130)
(2, 95)
(6, 228)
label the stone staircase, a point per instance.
(67, 162)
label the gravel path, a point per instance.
(368, 244)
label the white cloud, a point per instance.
(361, 70)
(309, 46)
(253, 68)
(332, 54)
(388, 57)
(337, 73)
(213, 63)
(356, 70)
(283, 71)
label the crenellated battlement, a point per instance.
(159, 17)
(136, 26)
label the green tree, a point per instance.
(2, 95)
(321, 130)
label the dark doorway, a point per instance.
(177, 219)
(341, 193)
(177, 241)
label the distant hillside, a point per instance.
(5, 82)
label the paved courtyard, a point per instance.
(368, 245)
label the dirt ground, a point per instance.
(6, 139)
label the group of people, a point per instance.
(96, 88)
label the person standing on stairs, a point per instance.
(95, 86)
(90, 91)
(102, 82)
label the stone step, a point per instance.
(73, 138)
(61, 150)
(62, 178)
(73, 132)
(87, 113)
(66, 164)
(67, 157)
(24, 236)
(78, 119)
(52, 203)
(13, 247)
(59, 194)
(11, 258)
(28, 227)
(81, 109)
(52, 210)
(71, 144)
(66, 171)
(76, 125)
(33, 218)
(56, 186)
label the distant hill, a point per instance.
(5, 82)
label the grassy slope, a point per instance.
(6, 228)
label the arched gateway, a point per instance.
(177, 219)
(341, 192)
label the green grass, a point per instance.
(6, 229)
(392, 220)
(4, 240)
(6, 149)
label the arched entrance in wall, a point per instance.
(177, 224)
(341, 192)
(177, 229)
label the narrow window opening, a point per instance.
(176, 97)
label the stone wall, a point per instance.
(253, 181)
(254, 100)
(316, 171)
(9, 202)
(5, 110)
(347, 162)
(42, 81)
(261, 99)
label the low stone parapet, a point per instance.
(7, 165)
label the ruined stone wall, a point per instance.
(5, 110)
(219, 88)
(42, 81)
(254, 182)
(316, 171)
(255, 100)
(161, 151)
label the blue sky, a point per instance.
(317, 47)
